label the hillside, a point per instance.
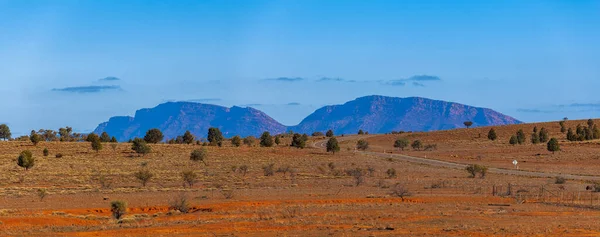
(472, 146)
(381, 114)
(174, 118)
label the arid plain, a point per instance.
(311, 192)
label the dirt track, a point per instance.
(452, 165)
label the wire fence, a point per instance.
(548, 195)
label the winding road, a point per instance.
(452, 165)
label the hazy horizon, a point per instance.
(78, 63)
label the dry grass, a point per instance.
(311, 195)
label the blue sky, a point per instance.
(77, 63)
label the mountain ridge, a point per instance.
(375, 114)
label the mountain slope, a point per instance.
(381, 114)
(174, 118)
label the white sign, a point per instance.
(515, 162)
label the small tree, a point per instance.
(571, 136)
(236, 141)
(269, 170)
(189, 178)
(139, 146)
(332, 145)
(42, 193)
(26, 160)
(391, 173)
(199, 155)
(277, 140)
(249, 140)
(492, 135)
(114, 140)
(401, 143)
(563, 128)
(358, 174)
(118, 209)
(329, 133)
(215, 137)
(553, 145)
(544, 137)
(361, 132)
(521, 136)
(153, 136)
(400, 191)
(513, 140)
(104, 137)
(362, 145)
(595, 132)
(35, 138)
(468, 124)
(535, 138)
(298, 141)
(266, 140)
(188, 138)
(143, 176)
(46, 152)
(475, 169)
(417, 145)
(4, 132)
(317, 134)
(590, 123)
(96, 145)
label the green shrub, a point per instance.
(26, 160)
(118, 209)
(143, 176)
(199, 155)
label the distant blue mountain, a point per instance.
(375, 114)
(174, 118)
(382, 114)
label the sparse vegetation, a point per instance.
(475, 169)
(391, 173)
(199, 155)
(401, 143)
(332, 145)
(521, 138)
(468, 124)
(35, 138)
(560, 180)
(266, 140)
(188, 138)
(118, 209)
(329, 133)
(249, 140)
(362, 145)
(143, 176)
(180, 203)
(153, 136)
(513, 140)
(400, 191)
(417, 145)
(553, 145)
(140, 147)
(26, 160)
(189, 178)
(269, 170)
(42, 193)
(4, 132)
(215, 137)
(358, 174)
(298, 141)
(236, 141)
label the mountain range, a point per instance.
(375, 114)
